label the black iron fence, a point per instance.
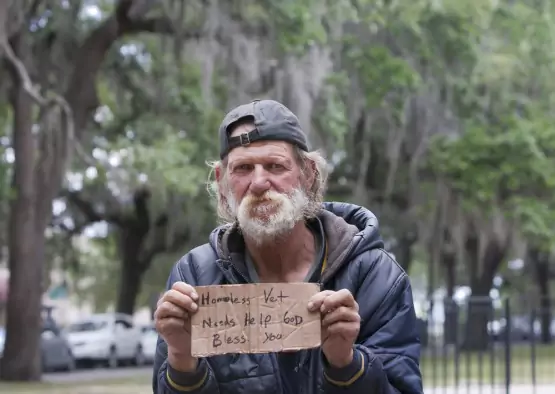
(489, 346)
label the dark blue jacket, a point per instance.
(387, 349)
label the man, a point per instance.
(269, 188)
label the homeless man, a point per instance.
(269, 189)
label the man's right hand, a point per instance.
(173, 323)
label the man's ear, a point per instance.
(218, 172)
(310, 173)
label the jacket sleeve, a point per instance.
(165, 379)
(387, 354)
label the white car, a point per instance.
(149, 339)
(109, 338)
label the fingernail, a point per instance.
(310, 305)
(194, 295)
(194, 307)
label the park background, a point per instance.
(437, 115)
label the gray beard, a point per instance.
(260, 233)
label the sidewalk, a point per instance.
(89, 388)
(487, 389)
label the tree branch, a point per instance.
(141, 198)
(85, 207)
(162, 246)
(81, 90)
(155, 25)
(70, 231)
(20, 70)
(88, 210)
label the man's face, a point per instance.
(263, 187)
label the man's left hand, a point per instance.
(340, 324)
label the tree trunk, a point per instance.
(140, 239)
(21, 359)
(480, 310)
(133, 237)
(130, 286)
(29, 213)
(404, 253)
(450, 274)
(479, 313)
(546, 314)
(541, 262)
(450, 327)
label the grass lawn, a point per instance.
(135, 385)
(488, 367)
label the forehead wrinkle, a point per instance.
(262, 150)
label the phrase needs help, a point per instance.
(254, 318)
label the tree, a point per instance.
(500, 171)
(156, 206)
(47, 123)
(159, 121)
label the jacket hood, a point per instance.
(350, 231)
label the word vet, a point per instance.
(254, 318)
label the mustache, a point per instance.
(266, 197)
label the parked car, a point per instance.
(149, 339)
(110, 338)
(56, 353)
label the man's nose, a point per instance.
(260, 182)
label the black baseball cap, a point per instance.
(272, 121)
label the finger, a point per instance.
(186, 289)
(342, 313)
(337, 299)
(167, 309)
(345, 329)
(315, 302)
(181, 287)
(170, 324)
(181, 300)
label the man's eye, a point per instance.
(275, 166)
(243, 167)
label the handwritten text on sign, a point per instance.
(254, 318)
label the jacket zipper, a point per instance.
(229, 261)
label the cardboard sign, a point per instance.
(254, 318)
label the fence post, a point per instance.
(508, 330)
(533, 346)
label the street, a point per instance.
(100, 374)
